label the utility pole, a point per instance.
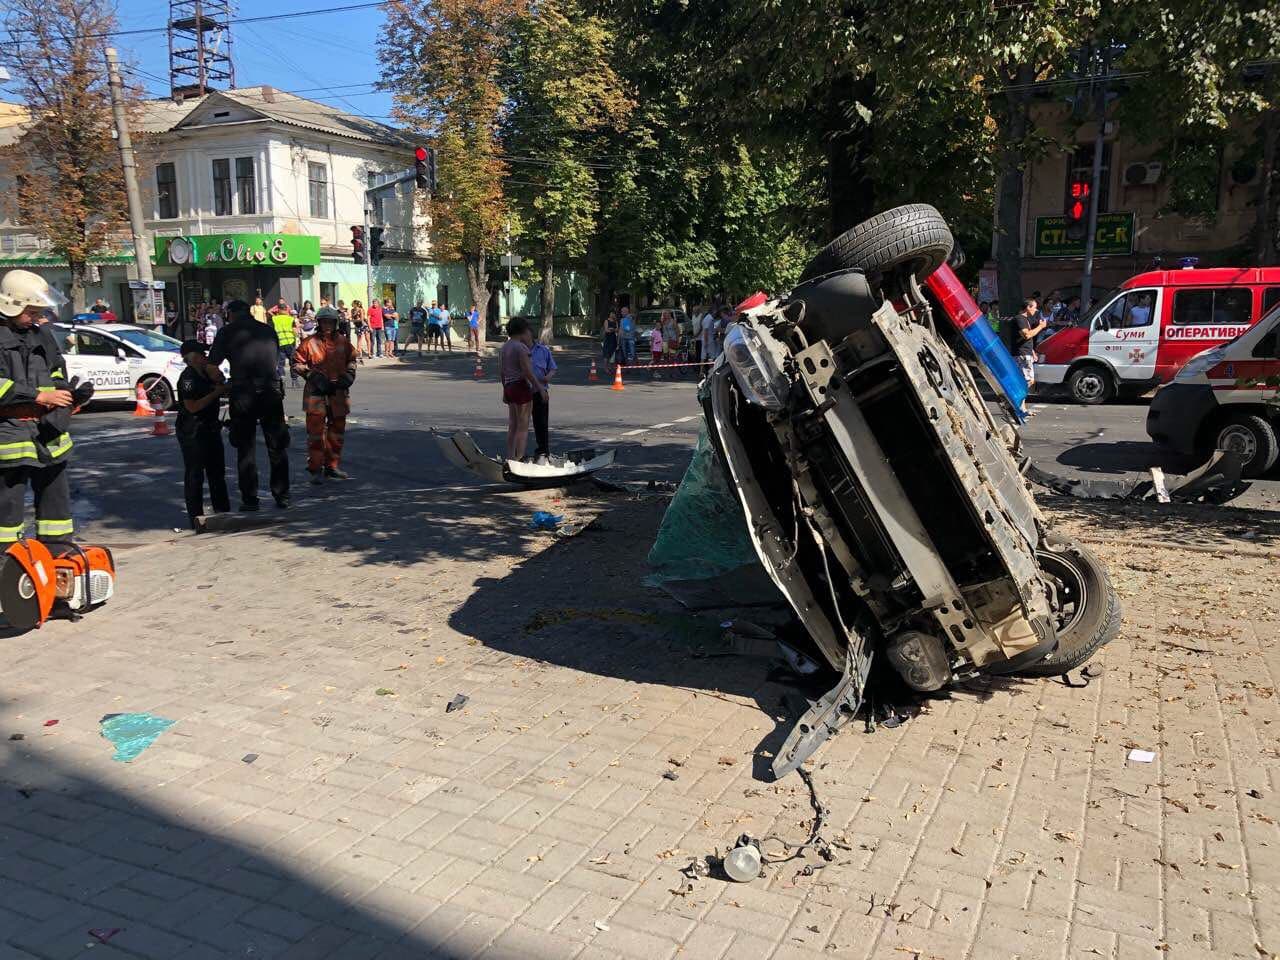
(141, 244)
(1099, 143)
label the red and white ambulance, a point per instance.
(1142, 334)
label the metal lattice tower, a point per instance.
(199, 47)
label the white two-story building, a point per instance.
(253, 192)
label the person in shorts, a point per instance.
(1028, 325)
(515, 370)
(473, 329)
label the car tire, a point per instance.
(914, 235)
(158, 391)
(1091, 385)
(1088, 607)
(1252, 437)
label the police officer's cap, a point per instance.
(191, 346)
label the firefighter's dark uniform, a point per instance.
(34, 442)
(256, 397)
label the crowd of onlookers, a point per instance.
(670, 340)
(374, 331)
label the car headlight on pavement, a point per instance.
(754, 368)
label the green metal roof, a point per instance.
(43, 260)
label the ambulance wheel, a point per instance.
(158, 391)
(1091, 385)
(1083, 602)
(1253, 438)
(914, 235)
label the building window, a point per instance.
(1229, 306)
(318, 185)
(442, 295)
(329, 291)
(166, 191)
(1080, 168)
(222, 188)
(246, 186)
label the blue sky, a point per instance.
(328, 50)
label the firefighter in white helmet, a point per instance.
(36, 403)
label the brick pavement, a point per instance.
(536, 822)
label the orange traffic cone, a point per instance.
(162, 425)
(479, 374)
(617, 378)
(593, 377)
(143, 407)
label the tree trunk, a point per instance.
(478, 281)
(1013, 134)
(851, 194)
(547, 267)
(1265, 225)
(79, 269)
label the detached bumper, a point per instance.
(1176, 414)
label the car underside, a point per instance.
(883, 499)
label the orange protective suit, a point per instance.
(326, 414)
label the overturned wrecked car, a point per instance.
(882, 495)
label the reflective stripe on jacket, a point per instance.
(30, 363)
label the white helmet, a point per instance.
(21, 289)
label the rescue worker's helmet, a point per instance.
(20, 289)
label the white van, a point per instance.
(1226, 397)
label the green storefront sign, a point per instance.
(1114, 236)
(238, 250)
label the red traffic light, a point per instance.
(1077, 211)
(420, 154)
(1079, 190)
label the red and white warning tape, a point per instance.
(661, 366)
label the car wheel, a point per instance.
(158, 391)
(1252, 438)
(1083, 602)
(1091, 385)
(914, 235)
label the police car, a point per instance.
(118, 356)
(1227, 397)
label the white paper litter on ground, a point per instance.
(1142, 756)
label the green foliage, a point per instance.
(1195, 173)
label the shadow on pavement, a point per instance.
(1180, 524)
(1124, 456)
(153, 882)
(583, 605)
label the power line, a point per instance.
(140, 31)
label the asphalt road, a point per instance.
(127, 484)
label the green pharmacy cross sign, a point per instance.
(1113, 237)
(238, 250)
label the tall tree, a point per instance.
(440, 61)
(70, 185)
(1208, 79)
(561, 89)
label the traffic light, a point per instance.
(375, 245)
(357, 245)
(1077, 208)
(424, 169)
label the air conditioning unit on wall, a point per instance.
(1142, 174)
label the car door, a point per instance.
(1126, 333)
(102, 359)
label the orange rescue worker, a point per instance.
(327, 361)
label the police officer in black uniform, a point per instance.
(256, 397)
(200, 435)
